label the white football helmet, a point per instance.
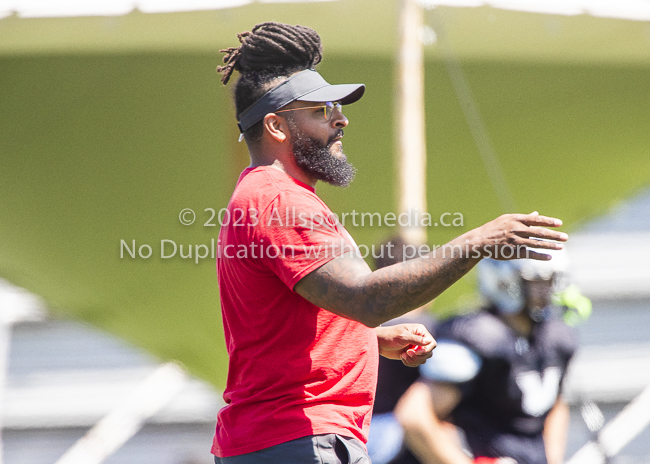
(501, 282)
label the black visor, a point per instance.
(306, 85)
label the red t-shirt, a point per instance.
(295, 369)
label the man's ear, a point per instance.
(277, 127)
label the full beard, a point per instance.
(319, 162)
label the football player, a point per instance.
(497, 374)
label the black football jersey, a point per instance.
(503, 407)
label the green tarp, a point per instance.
(102, 149)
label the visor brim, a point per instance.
(342, 93)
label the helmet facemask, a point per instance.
(507, 285)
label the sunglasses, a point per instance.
(328, 109)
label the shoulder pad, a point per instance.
(482, 332)
(562, 337)
(451, 362)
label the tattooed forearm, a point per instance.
(346, 285)
(417, 282)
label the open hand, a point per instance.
(512, 236)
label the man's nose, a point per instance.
(339, 120)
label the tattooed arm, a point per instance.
(346, 285)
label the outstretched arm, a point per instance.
(346, 285)
(555, 432)
(419, 411)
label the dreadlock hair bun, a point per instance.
(271, 46)
(267, 53)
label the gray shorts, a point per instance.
(314, 449)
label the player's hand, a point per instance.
(511, 236)
(410, 343)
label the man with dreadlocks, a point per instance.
(300, 307)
